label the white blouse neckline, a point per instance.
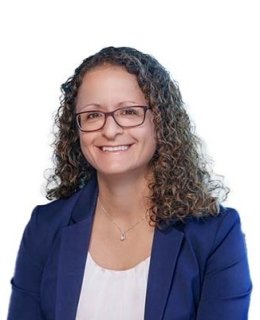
(138, 265)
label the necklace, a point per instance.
(122, 232)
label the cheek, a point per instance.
(84, 146)
(152, 135)
(150, 142)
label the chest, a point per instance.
(173, 286)
(109, 251)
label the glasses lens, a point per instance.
(130, 116)
(92, 120)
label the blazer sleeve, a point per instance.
(227, 286)
(25, 297)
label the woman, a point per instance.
(137, 230)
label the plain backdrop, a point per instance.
(210, 47)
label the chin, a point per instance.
(123, 172)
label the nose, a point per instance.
(111, 128)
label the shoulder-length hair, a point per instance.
(182, 184)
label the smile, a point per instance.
(115, 148)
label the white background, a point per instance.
(210, 47)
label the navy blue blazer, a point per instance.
(198, 270)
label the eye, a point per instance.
(131, 111)
(92, 115)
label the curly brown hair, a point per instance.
(182, 184)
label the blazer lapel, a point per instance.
(73, 254)
(166, 247)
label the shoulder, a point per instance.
(45, 225)
(56, 213)
(218, 225)
(220, 236)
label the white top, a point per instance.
(113, 294)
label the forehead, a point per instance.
(109, 85)
(108, 72)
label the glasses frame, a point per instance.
(112, 114)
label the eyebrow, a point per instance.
(96, 105)
(99, 106)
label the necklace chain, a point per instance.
(122, 232)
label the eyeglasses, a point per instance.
(126, 117)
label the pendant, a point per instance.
(122, 237)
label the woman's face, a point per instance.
(113, 150)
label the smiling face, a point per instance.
(112, 149)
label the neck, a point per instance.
(124, 198)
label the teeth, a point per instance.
(117, 148)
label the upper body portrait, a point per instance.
(136, 229)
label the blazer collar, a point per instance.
(73, 254)
(86, 204)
